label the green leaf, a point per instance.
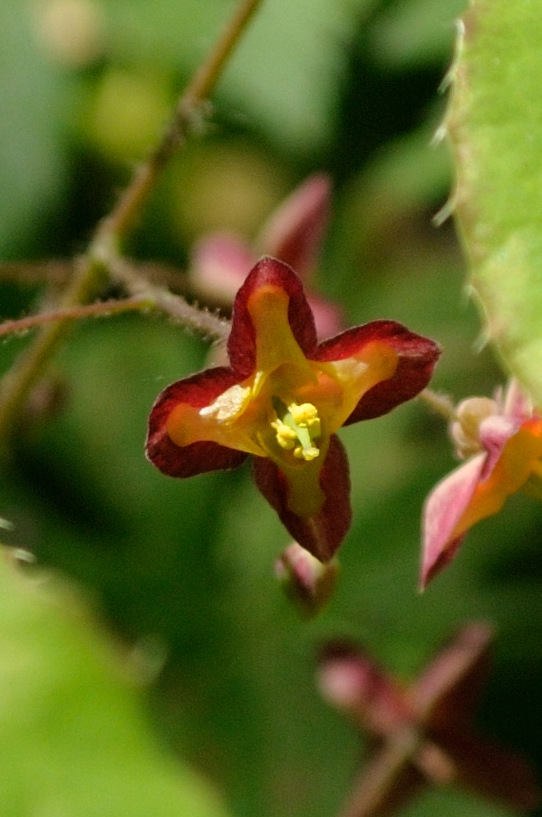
(495, 122)
(73, 736)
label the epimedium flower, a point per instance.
(281, 400)
(293, 233)
(501, 440)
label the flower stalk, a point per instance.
(94, 267)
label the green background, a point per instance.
(180, 575)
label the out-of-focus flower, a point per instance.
(293, 234)
(502, 439)
(422, 733)
(282, 399)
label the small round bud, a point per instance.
(307, 582)
(465, 429)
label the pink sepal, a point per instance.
(295, 231)
(219, 264)
(494, 433)
(443, 509)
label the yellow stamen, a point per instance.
(307, 454)
(285, 436)
(297, 424)
(304, 413)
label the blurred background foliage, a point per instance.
(183, 571)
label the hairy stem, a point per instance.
(92, 269)
(440, 403)
(74, 313)
(198, 320)
(186, 115)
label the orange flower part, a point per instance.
(506, 447)
(282, 400)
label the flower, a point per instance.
(504, 440)
(423, 734)
(293, 233)
(282, 398)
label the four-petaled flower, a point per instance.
(504, 440)
(282, 399)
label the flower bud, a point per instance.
(306, 581)
(465, 429)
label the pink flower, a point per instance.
(504, 439)
(423, 734)
(293, 234)
(282, 399)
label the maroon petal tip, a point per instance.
(200, 457)
(323, 534)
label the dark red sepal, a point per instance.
(417, 358)
(242, 341)
(322, 534)
(198, 458)
(490, 770)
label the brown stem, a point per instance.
(93, 267)
(186, 115)
(74, 313)
(198, 320)
(34, 273)
(382, 786)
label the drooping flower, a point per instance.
(293, 233)
(423, 734)
(502, 439)
(282, 399)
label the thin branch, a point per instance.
(198, 320)
(440, 403)
(74, 313)
(378, 789)
(33, 273)
(151, 285)
(187, 114)
(92, 269)
(59, 271)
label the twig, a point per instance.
(186, 115)
(103, 308)
(440, 403)
(92, 270)
(193, 318)
(378, 789)
(149, 285)
(33, 273)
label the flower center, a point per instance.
(296, 428)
